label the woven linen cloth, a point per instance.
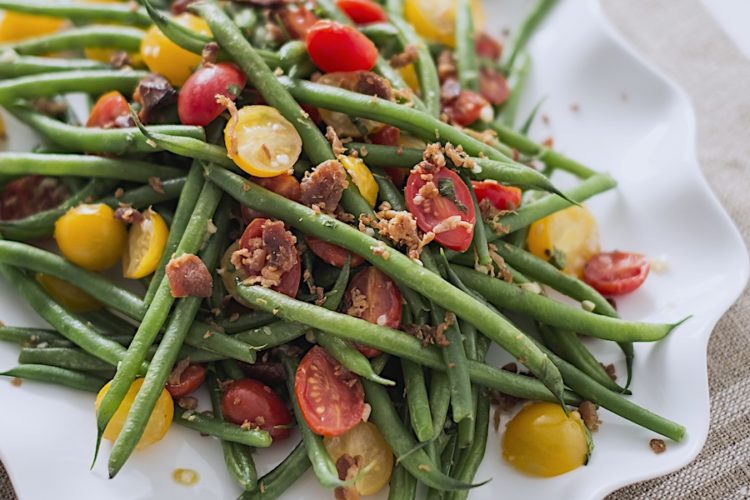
(685, 42)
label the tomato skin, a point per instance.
(190, 380)
(331, 254)
(501, 197)
(493, 86)
(466, 108)
(390, 136)
(488, 47)
(290, 280)
(251, 401)
(330, 397)
(285, 184)
(196, 102)
(110, 111)
(459, 238)
(297, 21)
(616, 273)
(362, 11)
(336, 47)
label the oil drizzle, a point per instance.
(185, 477)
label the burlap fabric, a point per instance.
(683, 40)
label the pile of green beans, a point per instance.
(430, 403)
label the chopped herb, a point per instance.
(448, 190)
(557, 258)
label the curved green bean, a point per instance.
(219, 428)
(276, 482)
(58, 376)
(86, 81)
(32, 337)
(13, 66)
(115, 37)
(121, 13)
(63, 357)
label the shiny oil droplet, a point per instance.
(185, 477)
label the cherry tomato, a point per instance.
(297, 21)
(90, 236)
(285, 184)
(362, 11)
(366, 442)
(251, 401)
(330, 397)
(466, 108)
(331, 254)
(435, 20)
(616, 273)
(337, 47)
(188, 381)
(16, 26)
(290, 279)
(110, 111)
(501, 197)
(163, 56)
(488, 47)
(452, 200)
(196, 103)
(493, 86)
(390, 136)
(541, 440)
(30, 194)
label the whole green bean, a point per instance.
(56, 375)
(440, 398)
(472, 457)
(32, 337)
(121, 13)
(276, 482)
(247, 321)
(203, 337)
(416, 399)
(467, 61)
(517, 79)
(394, 264)
(403, 486)
(114, 37)
(529, 25)
(63, 357)
(14, 66)
(219, 428)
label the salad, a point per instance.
(323, 214)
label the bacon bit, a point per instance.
(120, 60)
(657, 446)
(187, 403)
(398, 226)
(119, 192)
(446, 66)
(189, 277)
(545, 118)
(267, 258)
(427, 335)
(504, 402)
(372, 84)
(16, 382)
(336, 144)
(589, 416)
(548, 143)
(405, 58)
(156, 184)
(433, 154)
(575, 108)
(362, 151)
(348, 468)
(451, 223)
(502, 267)
(381, 252)
(448, 320)
(233, 121)
(177, 371)
(51, 107)
(359, 304)
(510, 367)
(128, 214)
(458, 156)
(322, 188)
(153, 92)
(610, 369)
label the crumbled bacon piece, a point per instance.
(156, 184)
(266, 258)
(181, 6)
(611, 371)
(322, 188)
(128, 214)
(493, 86)
(176, 375)
(400, 227)
(458, 156)
(446, 65)
(120, 59)
(589, 416)
(369, 83)
(336, 145)
(657, 446)
(189, 277)
(451, 223)
(433, 154)
(348, 468)
(153, 92)
(428, 335)
(359, 304)
(405, 58)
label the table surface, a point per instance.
(699, 55)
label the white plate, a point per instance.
(632, 123)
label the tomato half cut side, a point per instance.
(330, 397)
(501, 197)
(187, 381)
(331, 254)
(616, 273)
(252, 402)
(110, 111)
(445, 208)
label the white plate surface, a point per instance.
(630, 122)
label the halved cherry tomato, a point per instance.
(253, 402)
(196, 103)
(493, 86)
(616, 273)
(330, 397)
(163, 56)
(147, 239)
(466, 108)
(16, 26)
(488, 47)
(188, 381)
(69, 296)
(289, 280)
(435, 20)
(362, 11)
(110, 111)
(285, 184)
(452, 200)
(502, 197)
(331, 254)
(297, 20)
(374, 297)
(337, 47)
(361, 177)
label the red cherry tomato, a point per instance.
(285, 184)
(196, 103)
(289, 280)
(330, 397)
(390, 136)
(362, 11)
(465, 109)
(297, 21)
(331, 254)
(190, 379)
(337, 47)
(110, 111)
(616, 273)
(29, 195)
(493, 86)
(431, 212)
(501, 197)
(251, 401)
(488, 47)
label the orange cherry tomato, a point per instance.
(110, 111)
(501, 197)
(616, 273)
(337, 47)
(297, 20)
(189, 381)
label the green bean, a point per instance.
(273, 335)
(120, 13)
(401, 441)
(380, 33)
(529, 25)
(32, 337)
(467, 61)
(118, 141)
(276, 482)
(246, 321)
(391, 341)
(109, 324)
(557, 314)
(219, 428)
(472, 457)
(323, 466)
(403, 486)
(237, 458)
(87, 81)
(517, 79)
(157, 311)
(440, 398)
(115, 37)
(416, 399)
(395, 264)
(14, 66)
(479, 241)
(56, 375)
(63, 357)
(146, 196)
(226, 346)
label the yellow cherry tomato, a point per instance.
(262, 142)
(70, 297)
(570, 237)
(15, 26)
(362, 177)
(435, 20)
(158, 423)
(409, 74)
(105, 55)
(91, 237)
(146, 241)
(542, 441)
(365, 441)
(163, 56)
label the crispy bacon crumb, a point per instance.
(265, 259)
(189, 277)
(657, 446)
(400, 227)
(16, 382)
(405, 58)
(128, 214)
(587, 409)
(336, 145)
(156, 184)
(322, 188)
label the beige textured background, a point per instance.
(683, 40)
